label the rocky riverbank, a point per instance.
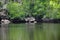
(38, 21)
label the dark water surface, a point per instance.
(39, 31)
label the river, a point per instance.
(38, 31)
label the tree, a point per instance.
(15, 10)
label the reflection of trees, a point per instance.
(30, 30)
(4, 28)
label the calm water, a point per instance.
(40, 31)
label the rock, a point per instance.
(5, 21)
(30, 20)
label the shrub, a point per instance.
(15, 10)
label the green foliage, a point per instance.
(26, 6)
(55, 9)
(20, 10)
(44, 8)
(0, 4)
(15, 10)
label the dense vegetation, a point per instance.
(37, 8)
(0, 4)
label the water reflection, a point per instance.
(31, 31)
(46, 31)
(3, 31)
(0, 31)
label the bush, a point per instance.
(15, 10)
(0, 4)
